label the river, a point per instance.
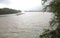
(27, 25)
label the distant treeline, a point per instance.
(8, 11)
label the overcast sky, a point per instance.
(22, 4)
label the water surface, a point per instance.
(27, 25)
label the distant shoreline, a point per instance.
(10, 13)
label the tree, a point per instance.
(8, 11)
(54, 6)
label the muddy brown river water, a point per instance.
(27, 25)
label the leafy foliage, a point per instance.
(54, 7)
(48, 34)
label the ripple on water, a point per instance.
(28, 25)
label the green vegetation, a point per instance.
(8, 11)
(54, 7)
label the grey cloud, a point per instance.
(4, 1)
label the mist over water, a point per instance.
(27, 25)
